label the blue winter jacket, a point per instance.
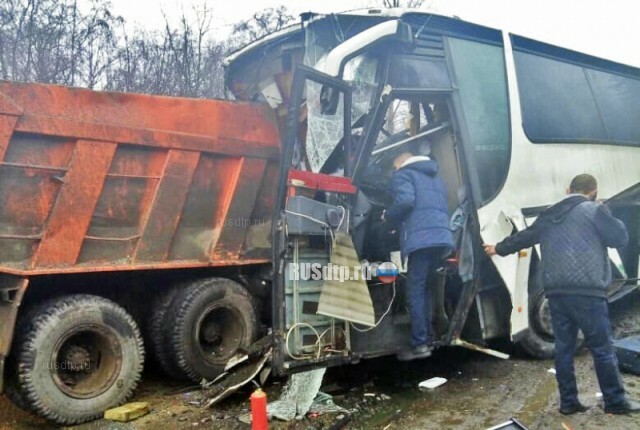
(574, 235)
(420, 207)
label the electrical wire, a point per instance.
(344, 213)
(393, 297)
(310, 218)
(318, 342)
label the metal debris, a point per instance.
(512, 424)
(244, 374)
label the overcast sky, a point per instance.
(609, 29)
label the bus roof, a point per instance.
(444, 22)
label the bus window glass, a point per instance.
(618, 99)
(557, 104)
(480, 75)
(325, 127)
(361, 73)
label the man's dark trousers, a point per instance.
(421, 263)
(591, 315)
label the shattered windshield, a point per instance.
(325, 132)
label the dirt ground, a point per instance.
(481, 391)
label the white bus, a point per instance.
(509, 119)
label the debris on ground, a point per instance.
(432, 383)
(323, 404)
(341, 421)
(512, 424)
(221, 388)
(298, 395)
(628, 354)
(552, 370)
(128, 412)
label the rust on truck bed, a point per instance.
(97, 181)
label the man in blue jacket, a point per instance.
(420, 208)
(574, 235)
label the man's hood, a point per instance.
(558, 212)
(422, 164)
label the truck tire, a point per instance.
(538, 341)
(77, 356)
(13, 390)
(155, 341)
(212, 318)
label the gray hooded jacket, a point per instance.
(574, 235)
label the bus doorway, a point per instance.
(337, 184)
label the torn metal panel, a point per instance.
(228, 384)
(348, 299)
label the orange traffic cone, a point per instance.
(259, 419)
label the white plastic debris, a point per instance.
(598, 395)
(432, 383)
(552, 370)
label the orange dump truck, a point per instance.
(142, 188)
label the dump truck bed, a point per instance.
(98, 181)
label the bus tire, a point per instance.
(155, 341)
(538, 341)
(76, 357)
(213, 318)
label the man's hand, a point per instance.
(490, 249)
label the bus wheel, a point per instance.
(154, 336)
(539, 340)
(212, 318)
(77, 356)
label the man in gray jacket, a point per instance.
(574, 235)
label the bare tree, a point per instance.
(262, 23)
(49, 41)
(55, 41)
(181, 60)
(52, 41)
(400, 3)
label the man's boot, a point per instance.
(416, 352)
(628, 407)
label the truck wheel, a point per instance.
(157, 345)
(213, 318)
(539, 341)
(77, 356)
(13, 390)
